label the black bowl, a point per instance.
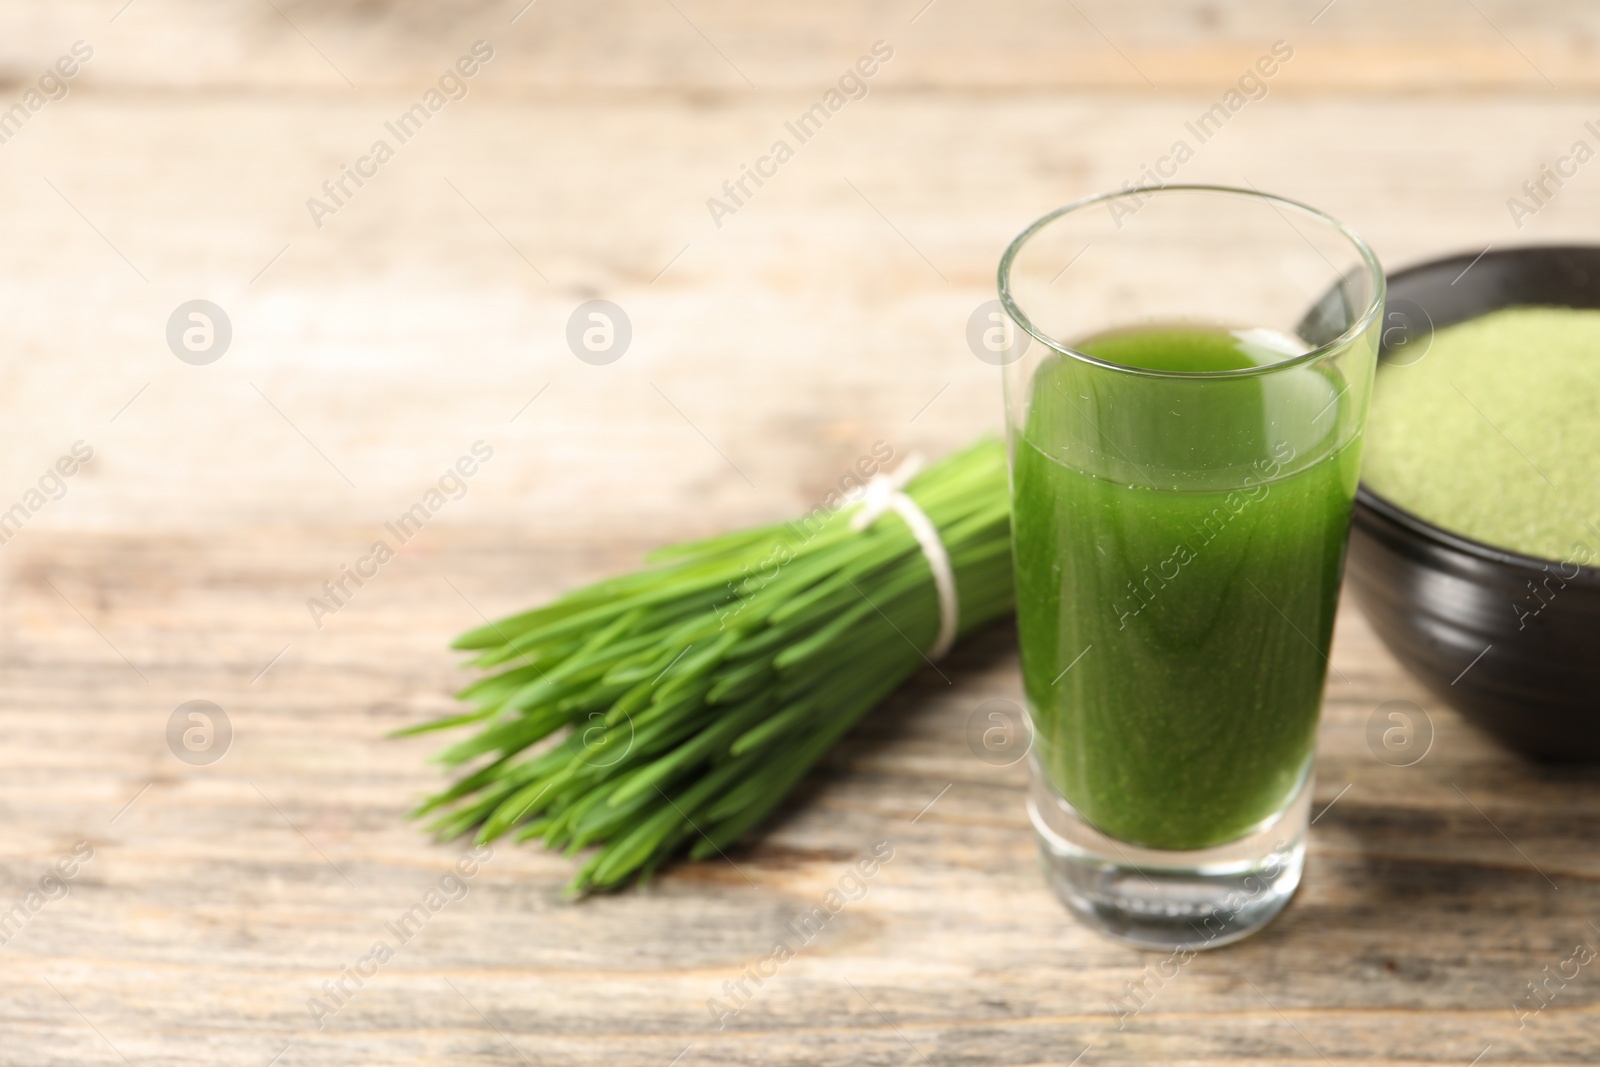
(1509, 641)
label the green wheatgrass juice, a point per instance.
(1493, 431)
(1179, 545)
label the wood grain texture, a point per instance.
(768, 353)
(719, 46)
(224, 896)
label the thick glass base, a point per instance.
(1160, 899)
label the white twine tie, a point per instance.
(884, 493)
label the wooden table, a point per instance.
(429, 312)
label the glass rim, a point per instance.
(1368, 258)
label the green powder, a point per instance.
(1495, 432)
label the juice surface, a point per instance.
(1179, 545)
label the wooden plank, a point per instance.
(218, 903)
(378, 348)
(724, 47)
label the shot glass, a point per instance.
(1186, 373)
